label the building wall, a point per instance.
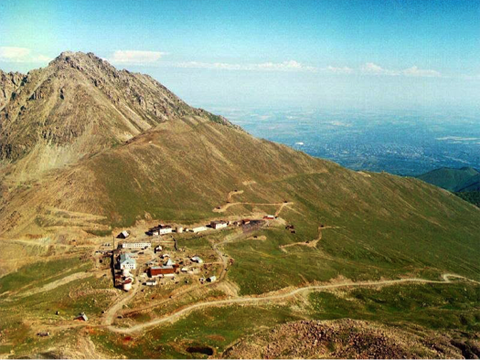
(128, 265)
(135, 245)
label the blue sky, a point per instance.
(383, 53)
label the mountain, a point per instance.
(77, 106)
(452, 179)
(87, 151)
(120, 147)
(464, 182)
(472, 184)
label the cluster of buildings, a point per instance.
(126, 263)
(162, 230)
(169, 268)
(216, 225)
(167, 229)
(127, 253)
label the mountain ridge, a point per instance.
(81, 105)
(452, 179)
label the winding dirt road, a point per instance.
(109, 315)
(312, 243)
(255, 300)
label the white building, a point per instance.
(218, 224)
(151, 283)
(199, 229)
(126, 262)
(139, 245)
(212, 279)
(165, 229)
(158, 248)
(169, 262)
(127, 285)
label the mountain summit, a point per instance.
(77, 106)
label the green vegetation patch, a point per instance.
(435, 306)
(215, 328)
(42, 272)
(470, 196)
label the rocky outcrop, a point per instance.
(9, 82)
(344, 339)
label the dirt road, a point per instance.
(277, 213)
(110, 314)
(226, 206)
(312, 243)
(267, 298)
(233, 193)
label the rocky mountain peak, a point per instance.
(79, 105)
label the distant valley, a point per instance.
(402, 142)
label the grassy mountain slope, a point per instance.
(451, 179)
(464, 182)
(180, 171)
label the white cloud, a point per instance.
(339, 70)
(457, 138)
(13, 53)
(415, 71)
(135, 57)
(20, 55)
(290, 65)
(374, 69)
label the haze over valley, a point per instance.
(403, 142)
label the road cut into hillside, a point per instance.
(250, 300)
